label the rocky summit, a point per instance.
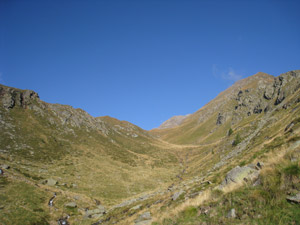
(234, 161)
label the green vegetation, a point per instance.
(293, 170)
(263, 204)
(22, 204)
(237, 140)
(230, 131)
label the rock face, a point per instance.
(220, 119)
(173, 122)
(12, 97)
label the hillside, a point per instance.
(106, 171)
(95, 158)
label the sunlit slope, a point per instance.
(247, 99)
(102, 157)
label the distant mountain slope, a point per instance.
(173, 122)
(252, 96)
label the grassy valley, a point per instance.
(173, 175)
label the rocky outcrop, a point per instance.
(11, 97)
(269, 92)
(239, 174)
(220, 119)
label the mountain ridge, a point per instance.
(102, 162)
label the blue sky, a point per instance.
(143, 61)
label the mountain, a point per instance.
(173, 122)
(235, 160)
(101, 158)
(247, 99)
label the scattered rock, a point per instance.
(50, 203)
(144, 219)
(97, 202)
(195, 194)
(136, 207)
(63, 221)
(50, 182)
(158, 201)
(95, 212)
(288, 127)
(76, 197)
(204, 210)
(257, 182)
(177, 194)
(295, 199)
(231, 214)
(4, 166)
(240, 174)
(71, 205)
(259, 165)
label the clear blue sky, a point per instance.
(143, 60)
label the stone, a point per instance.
(280, 98)
(91, 213)
(231, 214)
(1, 172)
(295, 199)
(71, 205)
(51, 182)
(4, 166)
(50, 203)
(220, 119)
(8, 101)
(288, 127)
(144, 219)
(257, 182)
(177, 194)
(145, 222)
(136, 207)
(237, 174)
(269, 91)
(101, 208)
(77, 197)
(63, 221)
(240, 174)
(259, 165)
